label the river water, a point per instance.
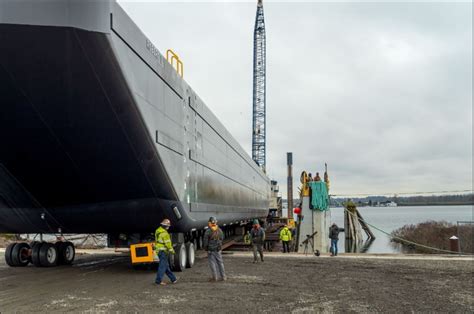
(391, 218)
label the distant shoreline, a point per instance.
(433, 200)
(413, 205)
(434, 204)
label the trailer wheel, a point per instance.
(19, 254)
(8, 255)
(199, 241)
(66, 253)
(180, 257)
(190, 256)
(35, 250)
(48, 255)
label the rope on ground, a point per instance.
(407, 241)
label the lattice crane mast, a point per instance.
(259, 87)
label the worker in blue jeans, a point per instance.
(334, 236)
(164, 247)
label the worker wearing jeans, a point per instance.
(334, 236)
(164, 268)
(164, 247)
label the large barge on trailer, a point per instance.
(100, 134)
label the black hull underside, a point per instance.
(74, 151)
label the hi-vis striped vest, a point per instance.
(163, 240)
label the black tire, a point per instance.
(48, 255)
(66, 253)
(20, 254)
(8, 254)
(35, 250)
(200, 242)
(190, 256)
(180, 257)
(69, 256)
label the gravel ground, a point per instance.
(105, 282)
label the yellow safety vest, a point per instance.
(285, 234)
(163, 240)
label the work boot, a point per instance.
(223, 279)
(212, 279)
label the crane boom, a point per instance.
(259, 87)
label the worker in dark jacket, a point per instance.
(164, 247)
(334, 236)
(212, 243)
(257, 237)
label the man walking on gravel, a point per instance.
(212, 243)
(257, 237)
(164, 247)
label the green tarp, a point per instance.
(319, 195)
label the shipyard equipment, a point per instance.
(289, 162)
(314, 215)
(259, 88)
(100, 134)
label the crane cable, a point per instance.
(408, 241)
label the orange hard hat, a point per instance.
(166, 222)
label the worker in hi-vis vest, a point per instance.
(164, 247)
(285, 237)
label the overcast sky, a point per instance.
(382, 92)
